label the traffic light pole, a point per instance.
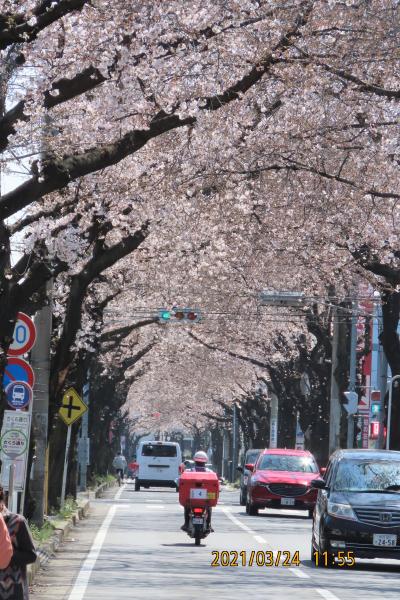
(234, 443)
(335, 412)
(40, 360)
(352, 378)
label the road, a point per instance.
(133, 548)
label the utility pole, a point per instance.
(225, 454)
(383, 386)
(273, 422)
(335, 409)
(83, 441)
(40, 360)
(352, 377)
(234, 442)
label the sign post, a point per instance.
(15, 434)
(14, 445)
(11, 499)
(72, 408)
(64, 480)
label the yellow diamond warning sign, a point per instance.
(72, 407)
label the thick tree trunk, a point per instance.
(390, 341)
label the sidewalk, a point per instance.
(54, 573)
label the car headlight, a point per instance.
(342, 511)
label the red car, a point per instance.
(281, 479)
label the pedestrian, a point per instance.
(120, 464)
(6, 549)
(13, 578)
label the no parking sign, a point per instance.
(18, 369)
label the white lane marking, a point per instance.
(81, 583)
(299, 573)
(237, 522)
(118, 494)
(260, 539)
(326, 594)
(295, 570)
(156, 506)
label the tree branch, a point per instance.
(16, 28)
(73, 314)
(57, 174)
(55, 211)
(248, 359)
(116, 335)
(61, 91)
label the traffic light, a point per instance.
(164, 315)
(375, 408)
(179, 315)
(374, 428)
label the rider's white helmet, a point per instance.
(200, 457)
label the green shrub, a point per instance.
(69, 508)
(41, 534)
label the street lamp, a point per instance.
(392, 379)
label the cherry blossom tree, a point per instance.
(257, 139)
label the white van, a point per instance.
(159, 464)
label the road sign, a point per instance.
(14, 443)
(363, 405)
(24, 335)
(18, 369)
(352, 402)
(19, 422)
(72, 407)
(19, 394)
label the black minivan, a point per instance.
(357, 513)
(249, 458)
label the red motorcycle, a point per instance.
(198, 493)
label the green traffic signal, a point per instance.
(179, 315)
(165, 315)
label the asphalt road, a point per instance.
(137, 551)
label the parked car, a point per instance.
(250, 457)
(281, 478)
(357, 513)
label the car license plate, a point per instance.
(383, 539)
(198, 521)
(245, 478)
(287, 501)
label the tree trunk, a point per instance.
(389, 339)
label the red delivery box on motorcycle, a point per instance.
(198, 489)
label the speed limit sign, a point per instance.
(24, 335)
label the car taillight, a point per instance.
(198, 511)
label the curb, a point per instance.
(62, 528)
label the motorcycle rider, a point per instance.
(200, 461)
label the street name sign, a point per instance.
(13, 447)
(13, 443)
(72, 407)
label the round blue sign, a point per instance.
(19, 394)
